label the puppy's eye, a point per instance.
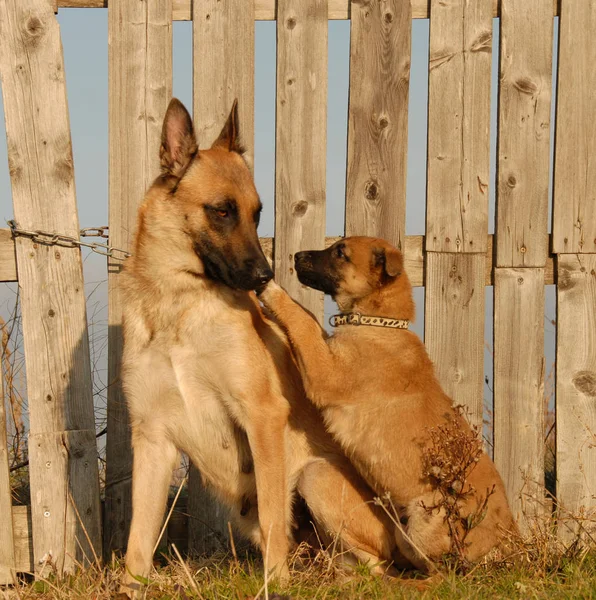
(222, 213)
(339, 252)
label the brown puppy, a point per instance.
(206, 373)
(379, 395)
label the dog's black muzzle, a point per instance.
(314, 270)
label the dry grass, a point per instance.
(531, 575)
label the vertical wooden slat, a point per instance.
(574, 211)
(454, 326)
(140, 87)
(576, 385)
(7, 554)
(301, 140)
(52, 295)
(223, 69)
(459, 125)
(521, 237)
(574, 231)
(519, 386)
(380, 50)
(524, 132)
(457, 196)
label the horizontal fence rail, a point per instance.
(414, 256)
(266, 10)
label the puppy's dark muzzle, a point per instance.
(303, 260)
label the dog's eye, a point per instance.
(222, 213)
(339, 252)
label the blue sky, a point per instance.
(84, 35)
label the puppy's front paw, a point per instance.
(267, 293)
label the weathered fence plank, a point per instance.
(574, 211)
(380, 48)
(522, 208)
(301, 140)
(222, 72)
(7, 551)
(574, 231)
(457, 198)
(519, 386)
(458, 126)
(140, 88)
(454, 326)
(23, 544)
(524, 132)
(265, 10)
(576, 386)
(8, 259)
(56, 344)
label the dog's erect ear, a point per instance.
(390, 259)
(178, 142)
(229, 138)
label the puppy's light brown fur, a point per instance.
(206, 373)
(379, 394)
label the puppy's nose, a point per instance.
(301, 256)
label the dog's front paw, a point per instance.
(267, 293)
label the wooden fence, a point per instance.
(455, 260)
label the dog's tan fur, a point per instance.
(206, 373)
(379, 394)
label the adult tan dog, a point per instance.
(379, 395)
(206, 373)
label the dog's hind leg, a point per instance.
(343, 506)
(154, 459)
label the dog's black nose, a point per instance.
(301, 256)
(263, 275)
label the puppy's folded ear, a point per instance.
(178, 142)
(229, 137)
(390, 259)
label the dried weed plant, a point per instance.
(448, 460)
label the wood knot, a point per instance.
(525, 85)
(33, 30)
(585, 382)
(291, 23)
(383, 123)
(371, 190)
(511, 181)
(51, 312)
(564, 280)
(299, 208)
(483, 42)
(388, 17)
(64, 169)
